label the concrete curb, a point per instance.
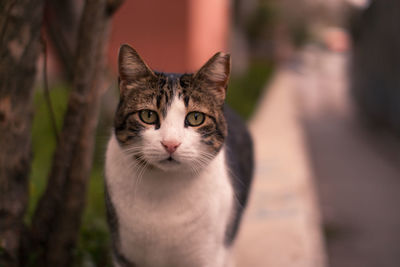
(281, 227)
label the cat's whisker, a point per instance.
(135, 148)
(203, 162)
(192, 169)
(206, 155)
(195, 170)
(198, 165)
(133, 152)
(141, 171)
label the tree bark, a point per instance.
(20, 23)
(56, 221)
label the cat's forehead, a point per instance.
(159, 91)
(173, 81)
(165, 90)
(185, 88)
(170, 75)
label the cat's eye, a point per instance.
(148, 116)
(195, 118)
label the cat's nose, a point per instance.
(170, 146)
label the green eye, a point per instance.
(148, 116)
(195, 118)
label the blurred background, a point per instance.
(334, 64)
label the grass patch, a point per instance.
(44, 141)
(245, 90)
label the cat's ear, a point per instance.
(131, 66)
(215, 74)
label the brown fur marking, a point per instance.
(204, 92)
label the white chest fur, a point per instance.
(170, 220)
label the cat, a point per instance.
(178, 167)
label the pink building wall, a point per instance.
(171, 35)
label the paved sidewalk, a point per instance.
(357, 169)
(281, 227)
(308, 138)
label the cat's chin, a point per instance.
(169, 164)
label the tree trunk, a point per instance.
(20, 23)
(56, 221)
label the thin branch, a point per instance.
(46, 89)
(56, 30)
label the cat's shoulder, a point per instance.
(240, 162)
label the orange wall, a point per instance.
(171, 35)
(208, 33)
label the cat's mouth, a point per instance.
(169, 160)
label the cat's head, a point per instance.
(171, 121)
